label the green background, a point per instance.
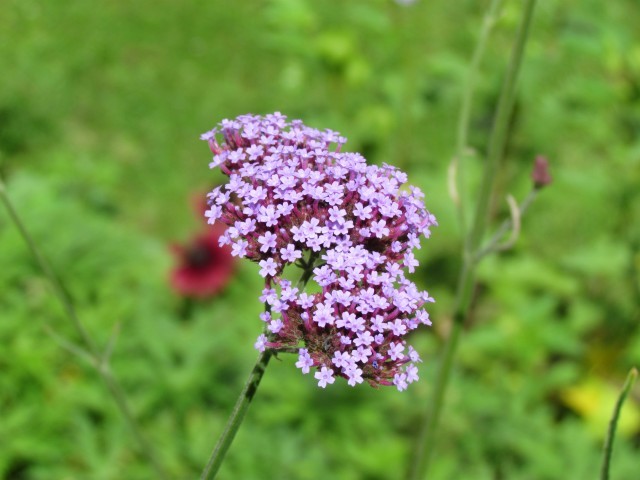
(101, 105)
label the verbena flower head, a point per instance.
(294, 197)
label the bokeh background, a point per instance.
(101, 105)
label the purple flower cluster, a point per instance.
(294, 198)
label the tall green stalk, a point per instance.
(97, 359)
(466, 280)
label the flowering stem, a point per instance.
(247, 394)
(466, 281)
(97, 360)
(237, 415)
(613, 423)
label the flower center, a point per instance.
(199, 257)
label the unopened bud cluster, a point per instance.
(293, 197)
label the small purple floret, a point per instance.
(324, 377)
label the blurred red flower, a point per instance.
(204, 267)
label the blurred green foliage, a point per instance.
(101, 104)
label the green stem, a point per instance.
(464, 119)
(97, 359)
(466, 282)
(248, 391)
(608, 444)
(237, 415)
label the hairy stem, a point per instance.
(613, 423)
(96, 358)
(466, 280)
